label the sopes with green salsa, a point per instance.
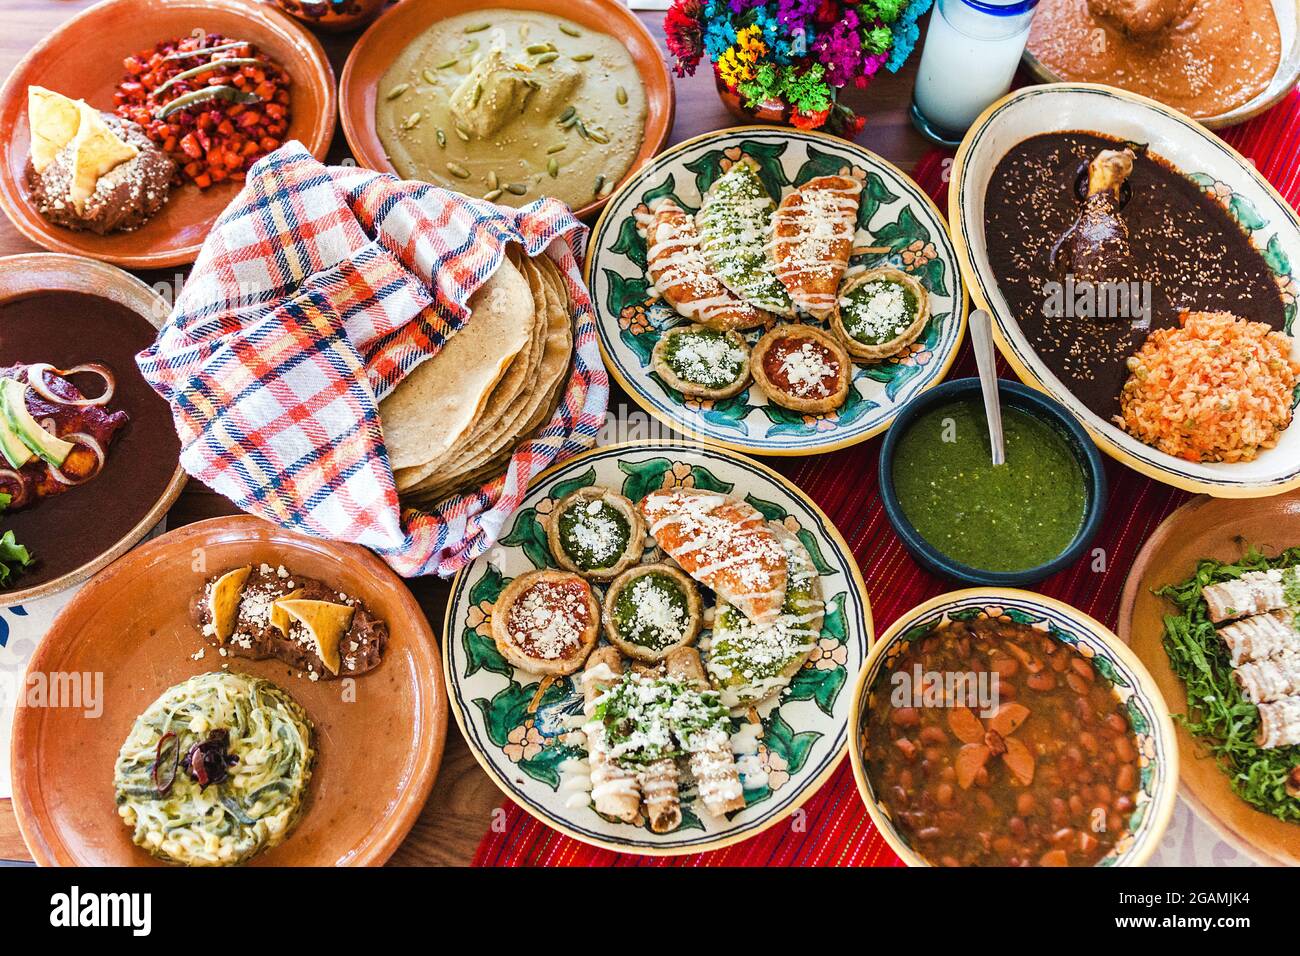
(1011, 517)
(513, 105)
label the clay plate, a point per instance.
(1221, 529)
(394, 31)
(377, 755)
(83, 58)
(82, 530)
(1284, 80)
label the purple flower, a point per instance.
(794, 13)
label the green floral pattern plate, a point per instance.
(895, 217)
(519, 737)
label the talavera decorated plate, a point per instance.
(895, 218)
(521, 737)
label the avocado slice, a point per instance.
(13, 402)
(14, 451)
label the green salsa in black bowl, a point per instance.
(959, 516)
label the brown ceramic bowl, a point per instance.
(332, 15)
(377, 754)
(81, 531)
(1219, 528)
(83, 59)
(393, 31)
(1283, 82)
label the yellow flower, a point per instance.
(918, 254)
(525, 743)
(730, 156)
(778, 770)
(827, 655)
(679, 476)
(634, 319)
(479, 617)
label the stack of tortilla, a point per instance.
(456, 419)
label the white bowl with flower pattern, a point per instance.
(895, 213)
(1136, 689)
(522, 745)
(1271, 224)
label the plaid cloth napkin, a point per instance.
(316, 292)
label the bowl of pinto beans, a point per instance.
(999, 727)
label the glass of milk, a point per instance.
(971, 51)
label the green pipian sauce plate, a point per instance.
(805, 729)
(894, 213)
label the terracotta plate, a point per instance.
(1220, 529)
(66, 310)
(1284, 80)
(83, 58)
(392, 32)
(378, 754)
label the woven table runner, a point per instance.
(834, 828)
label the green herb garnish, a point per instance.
(13, 556)
(1221, 720)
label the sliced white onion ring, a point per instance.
(36, 378)
(80, 438)
(21, 496)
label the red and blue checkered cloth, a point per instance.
(318, 290)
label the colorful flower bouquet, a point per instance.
(792, 57)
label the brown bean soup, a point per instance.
(1047, 777)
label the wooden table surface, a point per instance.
(460, 809)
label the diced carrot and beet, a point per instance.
(216, 138)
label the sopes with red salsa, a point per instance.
(214, 104)
(1031, 761)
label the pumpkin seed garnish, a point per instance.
(620, 94)
(517, 189)
(492, 195)
(493, 181)
(471, 47)
(442, 137)
(558, 147)
(448, 64)
(537, 48)
(462, 131)
(597, 136)
(478, 94)
(476, 27)
(553, 167)
(606, 189)
(600, 183)
(567, 115)
(581, 57)
(547, 58)
(397, 91)
(457, 170)
(427, 75)
(569, 31)
(413, 120)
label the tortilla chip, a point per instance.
(438, 402)
(326, 622)
(279, 616)
(96, 151)
(223, 601)
(53, 119)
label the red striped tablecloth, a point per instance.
(835, 828)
